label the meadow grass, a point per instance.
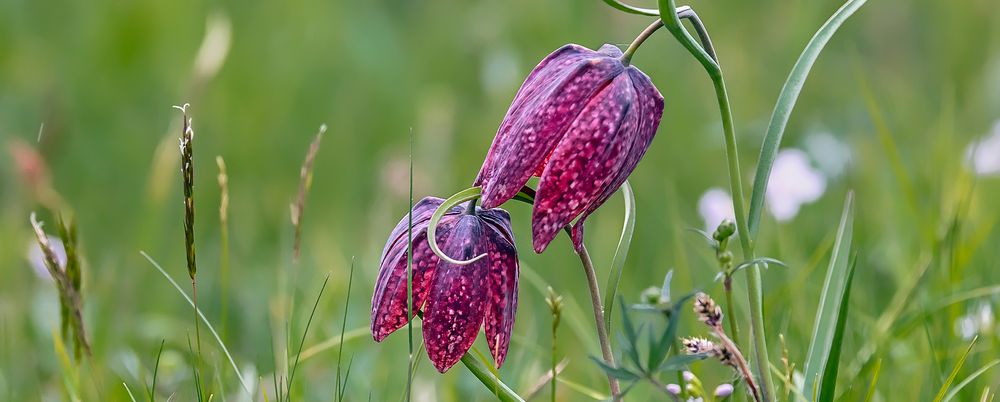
(915, 273)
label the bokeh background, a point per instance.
(889, 112)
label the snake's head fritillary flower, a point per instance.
(456, 300)
(581, 121)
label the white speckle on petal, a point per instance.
(983, 155)
(793, 182)
(714, 206)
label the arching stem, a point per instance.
(706, 56)
(683, 12)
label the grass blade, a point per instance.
(304, 333)
(343, 328)
(871, 387)
(215, 334)
(156, 371)
(824, 329)
(786, 102)
(129, 391)
(828, 385)
(485, 375)
(621, 253)
(954, 372)
(958, 387)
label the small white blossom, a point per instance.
(831, 155)
(983, 155)
(714, 206)
(793, 183)
(979, 321)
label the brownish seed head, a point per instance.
(708, 312)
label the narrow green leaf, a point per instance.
(621, 253)
(786, 102)
(631, 337)
(657, 354)
(969, 379)
(483, 373)
(620, 373)
(130, 396)
(584, 390)
(828, 385)
(679, 362)
(871, 386)
(305, 332)
(954, 372)
(222, 345)
(824, 329)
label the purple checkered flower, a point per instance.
(456, 300)
(581, 121)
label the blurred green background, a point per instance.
(906, 85)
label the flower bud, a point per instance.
(726, 228)
(674, 389)
(723, 391)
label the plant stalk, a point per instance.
(727, 283)
(595, 298)
(705, 55)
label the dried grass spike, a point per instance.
(708, 311)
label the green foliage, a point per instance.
(827, 335)
(102, 75)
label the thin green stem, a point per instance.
(595, 298)
(409, 278)
(754, 282)
(645, 34)
(754, 285)
(555, 325)
(733, 329)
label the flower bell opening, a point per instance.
(456, 300)
(581, 121)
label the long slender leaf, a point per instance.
(620, 373)
(621, 253)
(658, 350)
(483, 373)
(954, 372)
(824, 329)
(584, 390)
(786, 102)
(828, 384)
(969, 379)
(871, 386)
(222, 345)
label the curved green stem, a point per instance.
(711, 65)
(468, 194)
(645, 34)
(632, 9)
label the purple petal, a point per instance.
(457, 303)
(498, 220)
(586, 161)
(650, 104)
(502, 305)
(389, 300)
(422, 212)
(553, 65)
(533, 128)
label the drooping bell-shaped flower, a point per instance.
(456, 300)
(581, 121)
